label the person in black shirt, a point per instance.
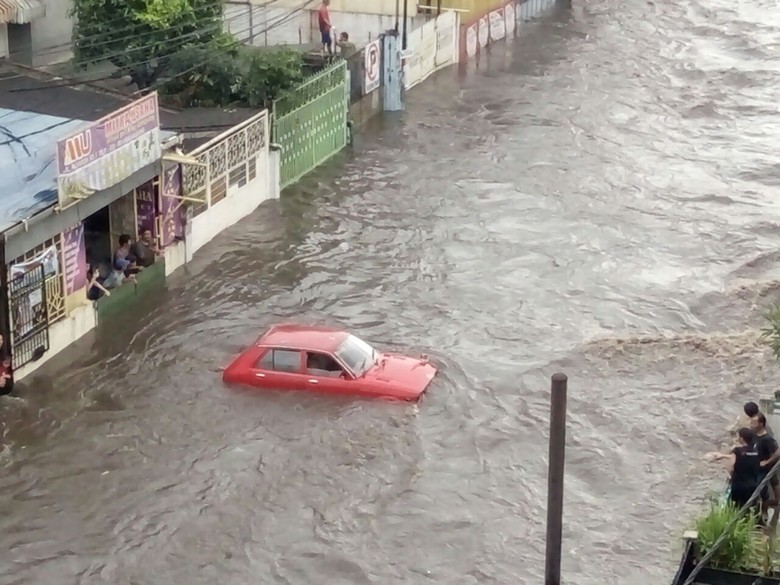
(768, 454)
(743, 466)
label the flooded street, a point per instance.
(600, 197)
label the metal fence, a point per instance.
(29, 315)
(228, 160)
(310, 122)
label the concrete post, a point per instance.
(392, 73)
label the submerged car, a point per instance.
(292, 357)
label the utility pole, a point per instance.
(557, 455)
(406, 17)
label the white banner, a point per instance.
(48, 258)
(433, 46)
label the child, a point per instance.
(6, 376)
(95, 289)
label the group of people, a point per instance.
(347, 47)
(129, 259)
(751, 461)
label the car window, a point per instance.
(280, 360)
(321, 364)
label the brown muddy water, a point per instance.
(601, 198)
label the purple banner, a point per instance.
(172, 221)
(107, 135)
(146, 208)
(75, 253)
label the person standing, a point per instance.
(743, 467)
(750, 409)
(325, 27)
(144, 249)
(768, 454)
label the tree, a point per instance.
(139, 37)
(232, 75)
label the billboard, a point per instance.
(108, 151)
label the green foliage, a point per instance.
(180, 44)
(740, 550)
(140, 36)
(772, 331)
(232, 75)
(270, 73)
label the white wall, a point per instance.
(52, 34)
(264, 26)
(239, 203)
(3, 40)
(386, 7)
(434, 46)
(78, 323)
(281, 25)
(364, 28)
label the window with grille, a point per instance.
(54, 283)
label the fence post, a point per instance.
(557, 454)
(392, 74)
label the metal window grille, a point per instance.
(29, 316)
(55, 283)
(230, 159)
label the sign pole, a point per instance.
(406, 18)
(557, 455)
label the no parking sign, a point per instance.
(372, 62)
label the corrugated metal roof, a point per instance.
(21, 11)
(28, 170)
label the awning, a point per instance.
(21, 11)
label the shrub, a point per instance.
(772, 331)
(740, 549)
(224, 73)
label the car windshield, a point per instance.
(357, 355)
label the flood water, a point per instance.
(600, 198)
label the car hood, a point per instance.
(412, 375)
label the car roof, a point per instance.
(305, 337)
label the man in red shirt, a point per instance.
(325, 27)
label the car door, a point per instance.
(280, 368)
(327, 374)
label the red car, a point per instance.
(291, 357)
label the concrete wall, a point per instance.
(238, 204)
(3, 40)
(261, 26)
(364, 28)
(386, 7)
(76, 325)
(284, 24)
(366, 107)
(52, 34)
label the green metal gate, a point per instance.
(310, 122)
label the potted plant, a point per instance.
(746, 556)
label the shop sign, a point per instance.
(146, 208)
(108, 151)
(75, 258)
(171, 221)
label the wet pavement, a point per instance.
(599, 198)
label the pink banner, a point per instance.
(75, 253)
(172, 220)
